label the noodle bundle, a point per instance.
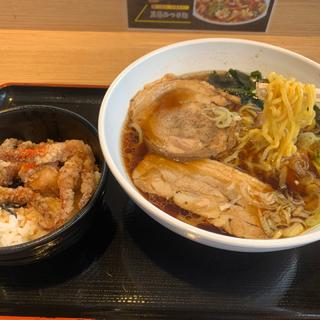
(288, 109)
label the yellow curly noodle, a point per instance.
(248, 114)
(222, 116)
(288, 109)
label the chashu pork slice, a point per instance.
(172, 115)
(225, 197)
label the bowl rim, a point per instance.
(176, 225)
(56, 233)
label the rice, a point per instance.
(20, 229)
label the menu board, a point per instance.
(224, 15)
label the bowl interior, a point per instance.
(39, 123)
(181, 58)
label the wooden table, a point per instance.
(88, 42)
(95, 58)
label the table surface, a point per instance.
(95, 58)
(88, 42)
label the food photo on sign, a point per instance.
(232, 15)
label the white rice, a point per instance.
(16, 230)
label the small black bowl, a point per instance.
(39, 123)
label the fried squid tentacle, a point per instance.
(68, 180)
(88, 178)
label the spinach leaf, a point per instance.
(253, 100)
(240, 84)
(242, 78)
(223, 80)
(256, 76)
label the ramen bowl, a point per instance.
(39, 123)
(188, 57)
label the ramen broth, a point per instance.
(133, 152)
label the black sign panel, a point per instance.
(224, 15)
